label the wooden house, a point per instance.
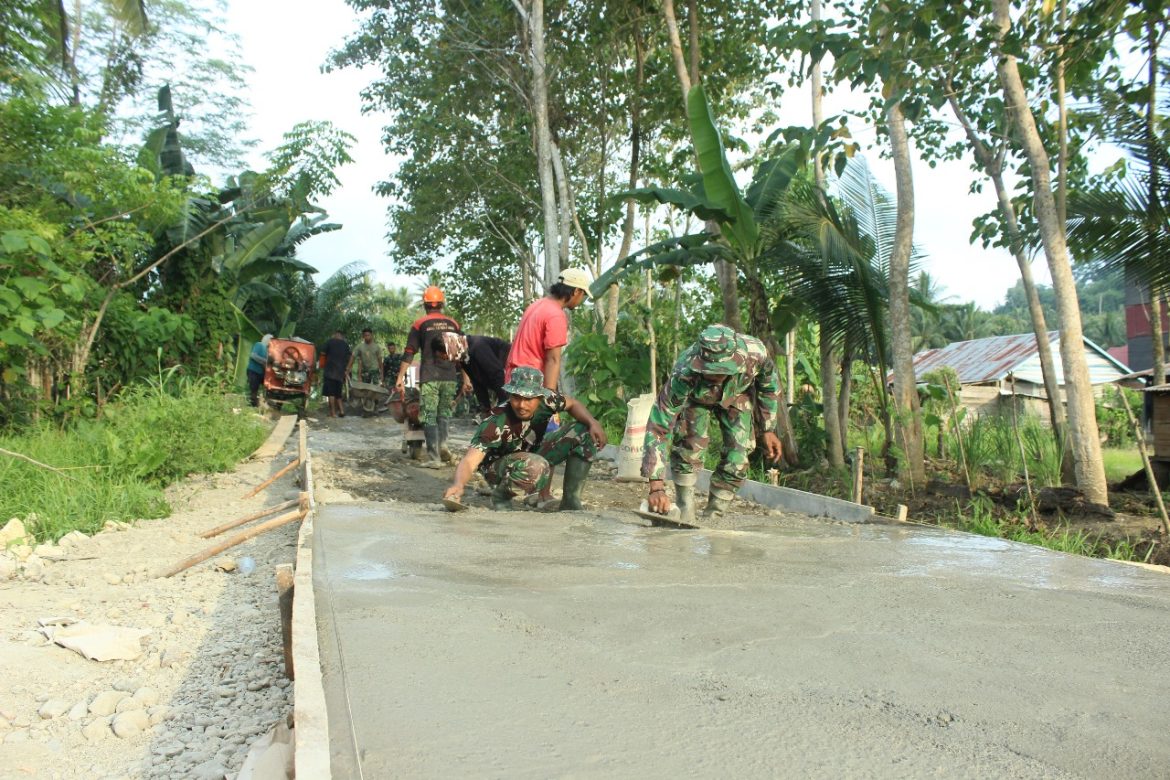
(995, 371)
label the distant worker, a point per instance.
(544, 327)
(482, 359)
(437, 378)
(257, 362)
(368, 356)
(505, 449)
(727, 375)
(391, 363)
(336, 355)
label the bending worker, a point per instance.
(727, 375)
(515, 461)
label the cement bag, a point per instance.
(630, 453)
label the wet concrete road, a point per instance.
(528, 645)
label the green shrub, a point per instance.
(115, 468)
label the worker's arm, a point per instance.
(403, 367)
(465, 388)
(552, 367)
(578, 412)
(767, 410)
(464, 471)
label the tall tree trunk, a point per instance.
(1157, 337)
(909, 415)
(992, 165)
(846, 391)
(565, 209)
(543, 139)
(632, 182)
(835, 444)
(725, 271)
(1082, 421)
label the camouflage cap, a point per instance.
(717, 346)
(526, 382)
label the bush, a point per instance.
(116, 468)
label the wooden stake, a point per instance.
(219, 529)
(858, 473)
(239, 538)
(1140, 435)
(284, 597)
(273, 478)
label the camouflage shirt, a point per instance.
(755, 387)
(504, 433)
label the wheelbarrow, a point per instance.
(368, 396)
(405, 408)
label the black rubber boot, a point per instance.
(431, 434)
(576, 472)
(444, 453)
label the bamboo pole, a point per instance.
(219, 529)
(1140, 435)
(1035, 522)
(858, 473)
(232, 541)
(273, 478)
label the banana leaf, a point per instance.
(686, 201)
(688, 250)
(257, 244)
(771, 182)
(718, 181)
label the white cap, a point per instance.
(576, 277)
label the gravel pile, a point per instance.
(209, 679)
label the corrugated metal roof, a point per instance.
(992, 359)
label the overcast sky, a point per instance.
(286, 41)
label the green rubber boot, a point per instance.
(576, 472)
(431, 434)
(717, 503)
(444, 453)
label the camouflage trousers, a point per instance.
(436, 399)
(521, 473)
(372, 377)
(692, 436)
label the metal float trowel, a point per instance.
(672, 518)
(454, 506)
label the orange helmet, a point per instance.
(432, 295)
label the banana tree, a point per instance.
(715, 196)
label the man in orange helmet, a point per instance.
(438, 378)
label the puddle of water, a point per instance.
(369, 571)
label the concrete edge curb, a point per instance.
(787, 499)
(311, 744)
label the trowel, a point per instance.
(672, 518)
(453, 505)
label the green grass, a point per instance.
(116, 468)
(1120, 463)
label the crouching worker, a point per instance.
(725, 375)
(506, 450)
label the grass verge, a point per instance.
(116, 468)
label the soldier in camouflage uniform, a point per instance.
(514, 459)
(727, 375)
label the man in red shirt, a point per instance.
(437, 377)
(541, 335)
(544, 329)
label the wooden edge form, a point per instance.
(284, 597)
(274, 444)
(311, 735)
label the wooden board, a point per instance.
(274, 444)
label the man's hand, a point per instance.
(454, 492)
(772, 448)
(400, 385)
(658, 501)
(466, 388)
(597, 433)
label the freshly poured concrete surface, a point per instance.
(539, 645)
